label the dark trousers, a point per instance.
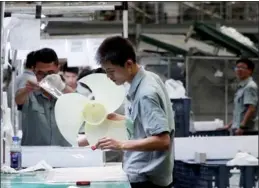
(247, 132)
(146, 184)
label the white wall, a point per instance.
(79, 51)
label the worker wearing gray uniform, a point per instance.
(148, 154)
(245, 114)
(38, 121)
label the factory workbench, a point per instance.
(37, 180)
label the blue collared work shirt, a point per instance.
(39, 126)
(246, 94)
(149, 112)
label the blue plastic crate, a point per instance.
(211, 175)
(182, 109)
(192, 176)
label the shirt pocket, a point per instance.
(239, 98)
(39, 116)
(36, 108)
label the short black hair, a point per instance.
(248, 62)
(46, 55)
(74, 70)
(86, 71)
(30, 60)
(99, 70)
(116, 50)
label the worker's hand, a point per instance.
(226, 127)
(109, 143)
(55, 80)
(82, 141)
(115, 117)
(239, 132)
(32, 86)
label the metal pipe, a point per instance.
(2, 5)
(226, 92)
(187, 59)
(180, 12)
(13, 104)
(219, 58)
(138, 32)
(69, 19)
(38, 10)
(60, 9)
(125, 19)
(2, 145)
(205, 58)
(157, 12)
(169, 67)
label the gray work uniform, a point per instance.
(149, 112)
(38, 121)
(246, 94)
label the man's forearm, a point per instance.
(21, 96)
(248, 115)
(120, 117)
(160, 143)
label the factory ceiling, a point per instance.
(70, 18)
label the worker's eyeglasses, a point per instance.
(43, 74)
(240, 68)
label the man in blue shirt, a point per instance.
(148, 154)
(245, 113)
(38, 119)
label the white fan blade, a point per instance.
(117, 130)
(68, 115)
(113, 129)
(105, 91)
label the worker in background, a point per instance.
(148, 154)
(245, 114)
(70, 75)
(38, 121)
